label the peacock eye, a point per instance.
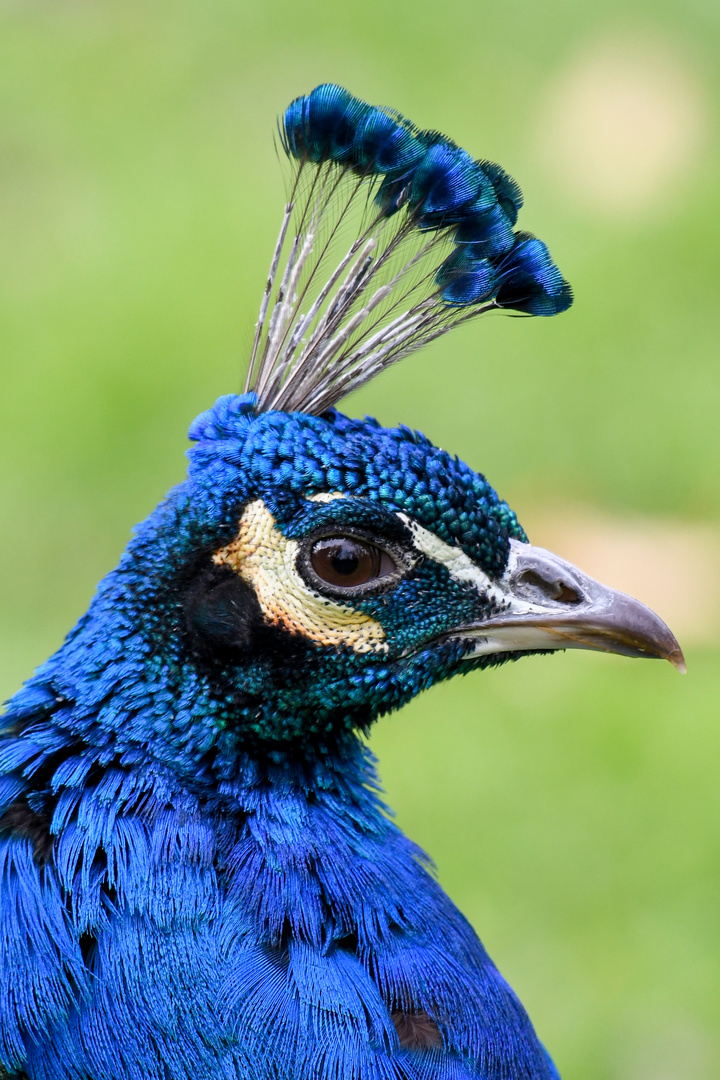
(346, 562)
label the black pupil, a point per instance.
(345, 562)
(345, 559)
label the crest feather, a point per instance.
(432, 246)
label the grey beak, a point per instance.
(550, 604)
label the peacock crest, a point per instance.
(434, 244)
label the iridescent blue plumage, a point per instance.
(438, 184)
(198, 879)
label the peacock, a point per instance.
(199, 879)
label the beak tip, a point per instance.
(677, 660)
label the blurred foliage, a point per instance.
(571, 804)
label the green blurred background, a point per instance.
(571, 803)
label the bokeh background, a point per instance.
(571, 803)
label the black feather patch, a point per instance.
(21, 820)
(416, 1031)
(222, 610)
(226, 625)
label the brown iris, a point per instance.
(346, 562)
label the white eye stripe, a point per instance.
(462, 569)
(459, 565)
(326, 496)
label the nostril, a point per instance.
(567, 594)
(552, 588)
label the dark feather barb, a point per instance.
(433, 246)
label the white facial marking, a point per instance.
(461, 567)
(326, 496)
(515, 639)
(262, 556)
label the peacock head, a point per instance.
(326, 569)
(315, 571)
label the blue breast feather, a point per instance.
(272, 940)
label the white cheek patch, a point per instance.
(266, 559)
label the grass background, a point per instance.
(571, 803)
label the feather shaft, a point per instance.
(274, 262)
